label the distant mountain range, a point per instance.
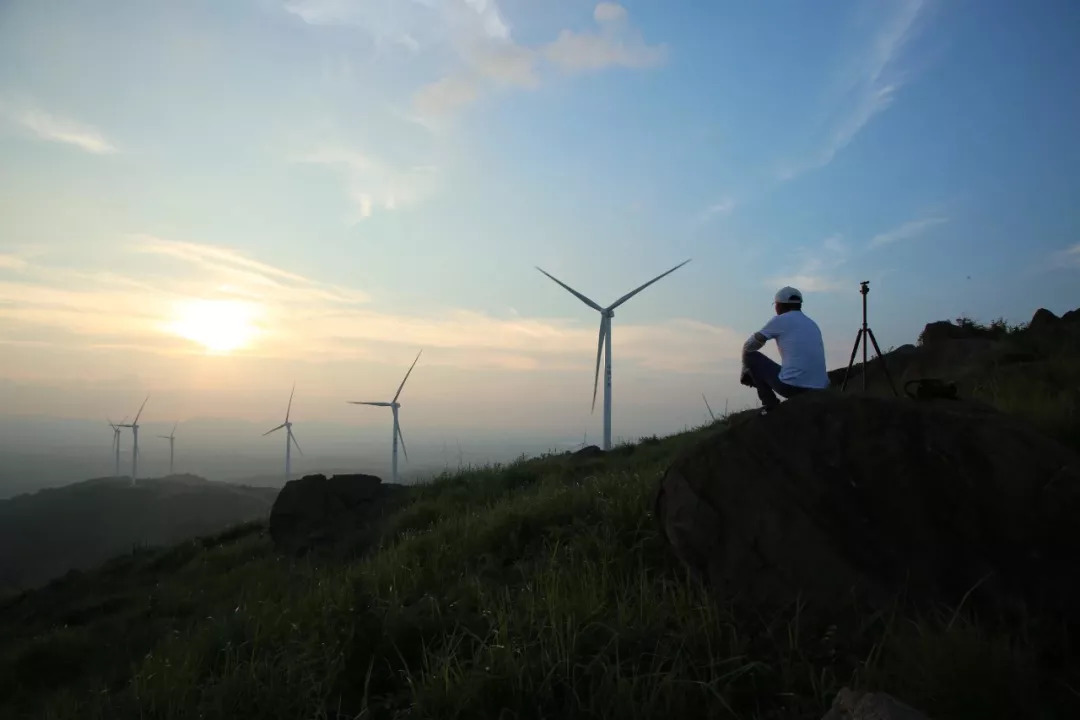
(47, 533)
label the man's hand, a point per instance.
(746, 378)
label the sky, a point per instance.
(207, 202)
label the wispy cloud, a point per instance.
(372, 183)
(12, 262)
(1069, 257)
(62, 130)
(723, 206)
(908, 230)
(815, 272)
(868, 87)
(479, 42)
(616, 44)
(298, 318)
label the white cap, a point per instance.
(788, 294)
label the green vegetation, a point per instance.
(541, 589)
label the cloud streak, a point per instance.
(616, 44)
(477, 37)
(370, 183)
(61, 130)
(869, 88)
(723, 206)
(814, 275)
(12, 262)
(1069, 257)
(300, 319)
(908, 230)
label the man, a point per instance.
(802, 353)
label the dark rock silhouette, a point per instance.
(589, 451)
(833, 493)
(338, 515)
(1043, 319)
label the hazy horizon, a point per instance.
(208, 203)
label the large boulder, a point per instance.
(833, 494)
(1042, 320)
(339, 514)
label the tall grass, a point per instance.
(534, 591)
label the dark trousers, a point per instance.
(765, 373)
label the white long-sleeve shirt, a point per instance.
(802, 351)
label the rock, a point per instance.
(833, 494)
(1072, 316)
(853, 705)
(936, 332)
(338, 514)
(896, 361)
(1043, 319)
(589, 451)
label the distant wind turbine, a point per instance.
(603, 346)
(394, 405)
(134, 425)
(116, 444)
(290, 439)
(171, 437)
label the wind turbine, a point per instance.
(603, 345)
(394, 405)
(171, 437)
(116, 444)
(134, 425)
(290, 439)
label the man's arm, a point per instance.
(754, 342)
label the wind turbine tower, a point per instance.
(394, 406)
(171, 437)
(290, 439)
(603, 346)
(134, 425)
(116, 445)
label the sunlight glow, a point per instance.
(220, 326)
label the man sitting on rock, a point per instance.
(802, 353)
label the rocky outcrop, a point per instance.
(854, 705)
(834, 494)
(338, 515)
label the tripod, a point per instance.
(865, 332)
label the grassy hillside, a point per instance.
(541, 589)
(46, 533)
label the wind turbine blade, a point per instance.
(599, 351)
(632, 293)
(402, 439)
(377, 404)
(274, 430)
(707, 406)
(579, 296)
(136, 420)
(174, 428)
(407, 376)
(289, 408)
(293, 438)
(164, 437)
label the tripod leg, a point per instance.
(884, 365)
(851, 360)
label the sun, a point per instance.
(220, 326)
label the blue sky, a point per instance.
(345, 181)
